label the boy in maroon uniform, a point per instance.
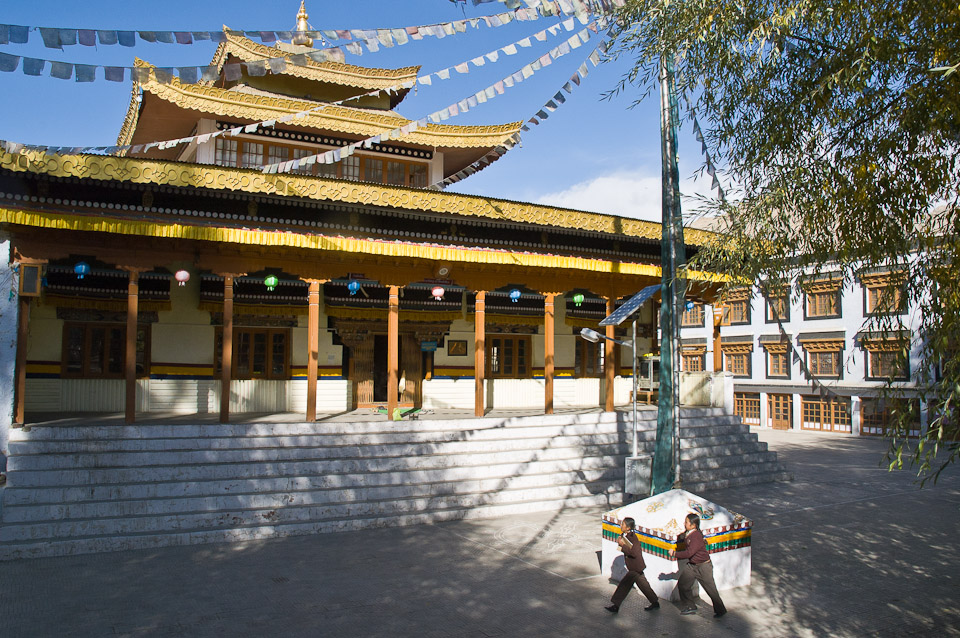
(698, 568)
(633, 557)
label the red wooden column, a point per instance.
(548, 352)
(313, 347)
(479, 350)
(20, 387)
(226, 355)
(130, 351)
(393, 350)
(608, 360)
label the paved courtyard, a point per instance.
(847, 549)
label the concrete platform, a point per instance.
(846, 549)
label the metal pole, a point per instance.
(635, 446)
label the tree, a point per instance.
(838, 123)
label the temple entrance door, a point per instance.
(380, 372)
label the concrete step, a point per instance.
(491, 479)
(86, 545)
(473, 466)
(289, 514)
(541, 485)
(757, 478)
(712, 475)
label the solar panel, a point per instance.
(630, 306)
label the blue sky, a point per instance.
(591, 154)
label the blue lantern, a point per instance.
(689, 306)
(353, 287)
(82, 268)
(514, 295)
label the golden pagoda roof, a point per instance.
(331, 72)
(143, 171)
(258, 107)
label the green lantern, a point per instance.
(578, 299)
(271, 282)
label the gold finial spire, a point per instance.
(301, 38)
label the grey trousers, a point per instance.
(702, 573)
(626, 584)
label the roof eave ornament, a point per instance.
(301, 38)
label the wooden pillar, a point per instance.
(479, 350)
(130, 351)
(608, 360)
(313, 347)
(226, 355)
(20, 387)
(393, 345)
(548, 352)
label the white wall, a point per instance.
(8, 344)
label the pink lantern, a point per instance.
(437, 292)
(182, 277)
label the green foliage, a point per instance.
(839, 126)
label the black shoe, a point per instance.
(612, 609)
(687, 612)
(717, 614)
(652, 607)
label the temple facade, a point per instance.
(183, 278)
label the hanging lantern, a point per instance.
(578, 299)
(271, 282)
(437, 293)
(82, 268)
(353, 287)
(514, 295)
(689, 306)
(182, 277)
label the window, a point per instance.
(692, 362)
(738, 363)
(418, 176)
(300, 153)
(327, 170)
(778, 307)
(396, 173)
(878, 417)
(350, 168)
(226, 154)
(588, 362)
(252, 156)
(258, 353)
(778, 363)
(373, 170)
(830, 415)
(736, 312)
(277, 154)
(824, 363)
(884, 300)
(96, 350)
(693, 318)
(736, 357)
(508, 357)
(887, 361)
(747, 407)
(822, 303)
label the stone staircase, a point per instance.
(93, 488)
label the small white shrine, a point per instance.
(659, 523)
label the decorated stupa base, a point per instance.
(660, 521)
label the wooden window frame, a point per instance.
(814, 363)
(584, 347)
(731, 358)
(876, 422)
(693, 361)
(515, 358)
(235, 359)
(143, 371)
(774, 400)
(811, 297)
(747, 407)
(784, 300)
(826, 415)
(782, 355)
(878, 353)
(693, 318)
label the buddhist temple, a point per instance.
(183, 278)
